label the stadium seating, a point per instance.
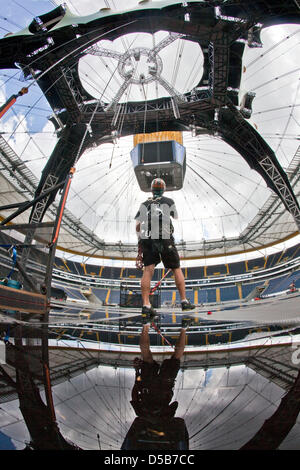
(224, 288)
(229, 293)
(281, 283)
(191, 273)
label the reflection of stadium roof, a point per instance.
(224, 207)
(225, 397)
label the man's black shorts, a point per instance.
(155, 251)
(166, 372)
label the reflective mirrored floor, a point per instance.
(118, 383)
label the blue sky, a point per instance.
(31, 112)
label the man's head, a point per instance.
(158, 187)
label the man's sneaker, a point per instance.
(187, 306)
(148, 314)
(186, 322)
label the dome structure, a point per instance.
(83, 83)
(144, 70)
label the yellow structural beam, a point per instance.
(107, 296)
(240, 291)
(158, 137)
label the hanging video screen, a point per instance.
(152, 152)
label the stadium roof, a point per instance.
(225, 205)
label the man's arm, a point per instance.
(173, 211)
(140, 219)
(138, 229)
(139, 258)
(138, 223)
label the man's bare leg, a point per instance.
(146, 283)
(180, 282)
(180, 344)
(145, 344)
(146, 357)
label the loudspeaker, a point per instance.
(166, 160)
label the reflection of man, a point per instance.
(155, 426)
(153, 388)
(156, 243)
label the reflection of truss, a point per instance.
(139, 66)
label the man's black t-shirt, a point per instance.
(153, 388)
(155, 216)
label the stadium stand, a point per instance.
(221, 286)
(114, 296)
(74, 294)
(131, 273)
(273, 260)
(257, 263)
(229, 293)
(216, 270)
(195, 272)
(247, 289)
(100, 293)
(280, 284)
(166, 297)
(191, 273)
(237, 268)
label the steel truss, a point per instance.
(283, 189)
(219, 61)
(23, 179)
(246, 140)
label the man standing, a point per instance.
(154, 229)
(154, 382)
